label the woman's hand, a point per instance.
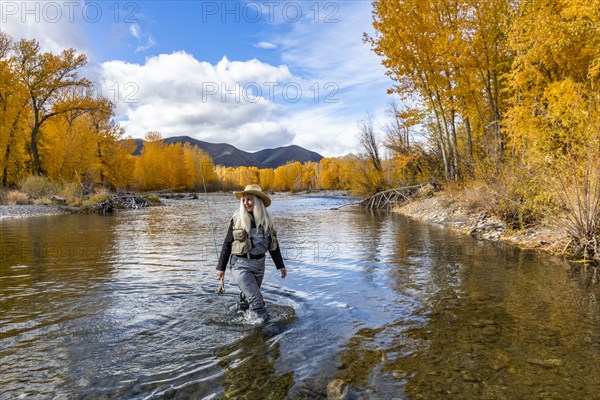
(283, 272)
(220, 275)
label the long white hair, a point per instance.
(262, 218)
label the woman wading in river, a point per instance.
(250, 235)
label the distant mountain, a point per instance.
(273, 158)
(139, 145)
(230, 156)
(221, 153)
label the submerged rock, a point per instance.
(337, 389)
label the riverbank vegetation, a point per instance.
(504, 94)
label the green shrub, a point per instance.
(153, 199)
(96, 198)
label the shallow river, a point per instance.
(125, 307)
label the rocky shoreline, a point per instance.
(106, 206)
(447, 209)
(25, 211)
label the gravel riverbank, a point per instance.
(24, 211)
(447, 209)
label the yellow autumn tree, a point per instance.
(228, 178)
(14, 115)
(554, 79)
(330, 173)
(449, 57)
(117, 164)
(266, 178)
(310, 176)
(288, 177)
(174, 170)
(70, 147)
(149, 166)
(247, 175)
(47, 77)
(200, 169)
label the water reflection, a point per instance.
(49, 269)
(250, 369)
(491, 322)
(125, 307)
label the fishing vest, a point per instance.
(256, 244)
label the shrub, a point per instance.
(43, 201)
(153, 199)
(576, 189)
(70, 191)
(477, 198)
(521, 200)
(100, 196)
(15, 197)
(38, 186)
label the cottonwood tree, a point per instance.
(13, 118)
(372, 172)
(46, 77)
(446, 55)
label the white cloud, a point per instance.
(176, 94)
(56, 25)
(325, 131)
(327, 50)
(135, 30)
(266, 45)
(149, 43)
(141, 36)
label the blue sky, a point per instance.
(256, 74)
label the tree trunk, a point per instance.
(34, 150)
(5, 168)
(470, 160)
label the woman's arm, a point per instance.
(225, 251)
(278, 260)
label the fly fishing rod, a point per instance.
(221, 288)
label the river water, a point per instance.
(125, 306)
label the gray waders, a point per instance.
(249, 272)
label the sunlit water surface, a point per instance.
(125, 306)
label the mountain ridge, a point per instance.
(227, 155)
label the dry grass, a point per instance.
(71, 192)
(101, 194)
(14, 197)
(578, 193)
(477, 197)
(43, 201)
(38, 186)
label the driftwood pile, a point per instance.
(389, 198)
(131, 201)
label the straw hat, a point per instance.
(255, 190)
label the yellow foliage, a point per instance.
(330, 173)
(288, 177)
(266, 178)
(174, 166)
